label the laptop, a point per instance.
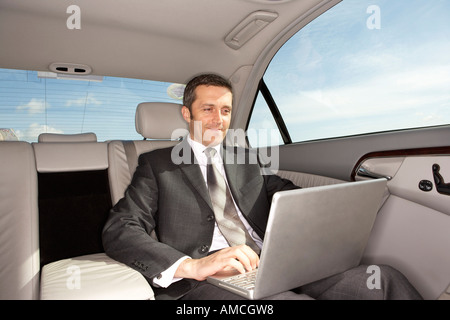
(311, 234)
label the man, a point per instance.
(169, 196)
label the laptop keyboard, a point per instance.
(245, 280)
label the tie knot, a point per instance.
(210, 153)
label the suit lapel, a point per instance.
(194, 175)
(229, 164)
(241, 178)
(192, 171)
(235, 173)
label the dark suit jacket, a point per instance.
(172, 200)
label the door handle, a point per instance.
(441, 186)
(363, 172)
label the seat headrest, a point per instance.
(160, 120)
(56, 137)
(71, 156)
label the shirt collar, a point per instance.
(199, 149)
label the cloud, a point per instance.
(374, 82)
(34, 130)
(396, 99)
(83, 101)
(34, 106)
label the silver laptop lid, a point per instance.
(316, 232)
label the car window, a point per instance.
(34, 102)
(363, 66)
(263, 130)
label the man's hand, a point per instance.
(241, 258)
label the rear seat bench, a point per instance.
(111, 165)
(74, 201)
(58, 229)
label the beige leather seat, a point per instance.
(57, 137)
(19, 244)
(74, 265)
(161, 125)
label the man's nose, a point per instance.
(217, 116)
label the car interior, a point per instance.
(329, 91)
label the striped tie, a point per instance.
(227, 218)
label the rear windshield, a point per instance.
(33, 102)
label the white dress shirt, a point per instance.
(167, 277)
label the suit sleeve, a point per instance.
(273, 182)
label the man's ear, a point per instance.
(186, 114)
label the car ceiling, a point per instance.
(169, 40)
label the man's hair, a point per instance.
(208, 79)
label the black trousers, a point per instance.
(349, 285)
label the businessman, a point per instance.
(209, 212)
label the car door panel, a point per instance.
(415, 240)
(336, 158)
(410, 174)
(411, 232)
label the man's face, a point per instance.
(210, 114)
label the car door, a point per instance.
(411, 229)
(362, 93)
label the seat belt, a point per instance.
(131, 155)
